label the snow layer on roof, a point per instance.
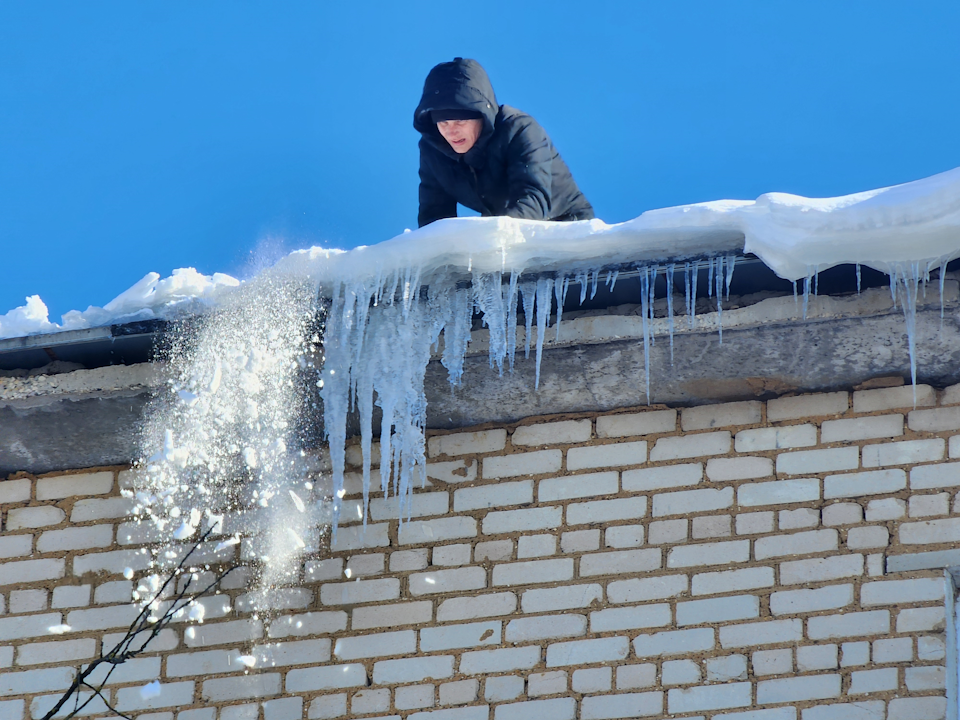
(916, 224)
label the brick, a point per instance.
(754, 523)
(711, 527)
(415, 696)
(453, 580)
(796, 602)
(27, 571)
(934, 476)
(867, 537)
(930, 648)
(221, 633)
(781, 438)
(531, 546)
(283, 709)
(817, 461)
(555, 708)
(63, 486)
(454, 472)
(610, 455)
(705, 417)
(669, 476)
(738, 468)
(357, 537)
(360, 591)
(865, 401)
(365, 565)
(778, 492)
(585, 540)
(330, 569)
(507, 521)
(918, 533)
(460, 636)
(118, 591)
(554, 433)
(477, 606)
(597, 511)
(587, 652)
(460, 692)
(691, 501)
(548, 683)
(634, 424)
(874, 482)
(89, 510)
(727, 668)
(866, 428)
(469, 443)
(892, 650)
(871, 681)
(251, 686)
(799, 518)
(376, 645)
(798, 689)
(619, 536)
(874, 622)
(781, 713)
(842, 514)
(578, 486)
(720, 553)
(918, 679)
(209, 662)
(412, 670)
(855, 653)
(895, 592)
(544, 627)
(927, 505)
(370, 701)
(327, 677)
(533, 571)
(56, 652)
(710, 697)
(814, 570)
(667, 531)
(16, 546)
(798, 406)
(436, 530)
(560, 598)
(817, 657)
(71, 596)
(311, 623)
(802, 543)
(421, 504)
(630, 618)
(770, 632)
(920, 620)
(674, 642)
(395, 615)
(716, 610)
(690, 446)
(79, 538)
(14, 491)
(624, 561)
(247, 711)
(479, 662)
(33, 517)
(621, 705)
(497, 495)
(732, 580)
(539, 462)
(643, 589)
(772, 662)
(923, 708)
(171, 695)
(493, 550)
(935, 420)
(402, 560)
(909, 452)
(503, 688)
(630, 677)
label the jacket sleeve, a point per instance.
(529, 172)
(435, 202)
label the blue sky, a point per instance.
(150, 136)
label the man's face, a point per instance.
(461, 134)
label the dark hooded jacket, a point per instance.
(513, 169)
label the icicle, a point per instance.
(612, 276)
(653, 295)
(731, 261)
(719, 277)
(910, 285)
(692, 294)
(594, 281)
(671, 269)
(544, 302)
(943, 276)
(560, 291)
(456, 334)
(710, 271)
(512, 318)
(794, 292)
(816, 282)
(488, 297)
(529, 292)
(581, 278)
(645, 321)
(858, 278)
(806, 293)
(893, 287)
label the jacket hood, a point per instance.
(459, 85)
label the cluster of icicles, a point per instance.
(380, 334)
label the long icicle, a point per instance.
(671, 268)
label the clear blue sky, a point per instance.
(156, 135)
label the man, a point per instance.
(491, 158)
